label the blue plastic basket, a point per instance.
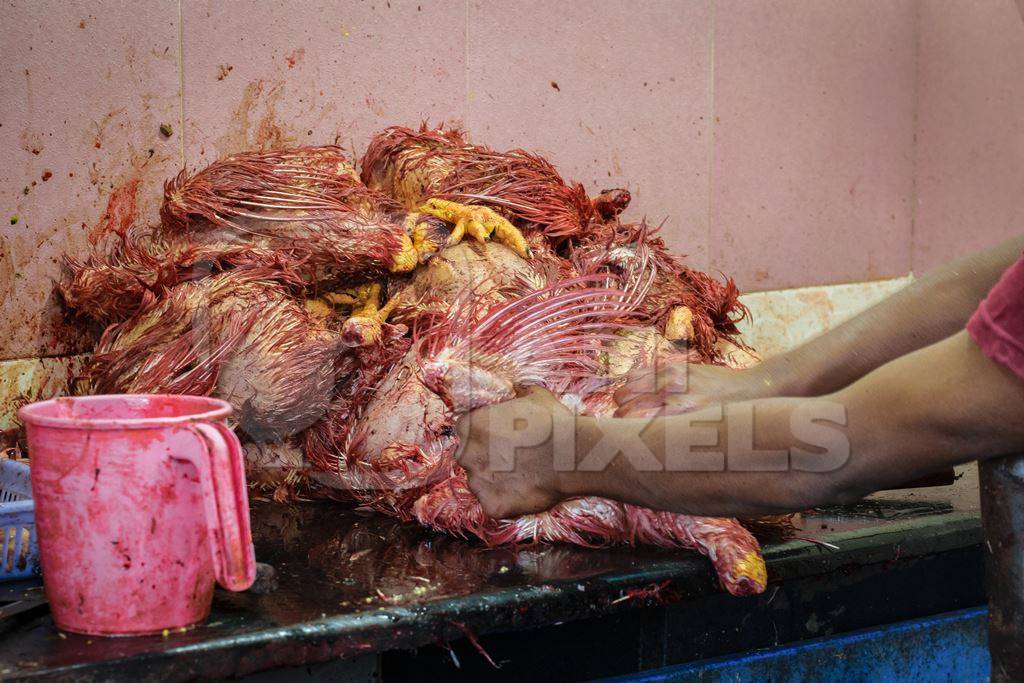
(19, 551)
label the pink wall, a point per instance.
(970, 128)
(784, 143)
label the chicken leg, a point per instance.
(736, 555)
(363, 326)
(480, 222)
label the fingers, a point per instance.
(671, 377)
(473, 458)
(661, 403)
(505, 500)
(498, 499)
(472, 450)
(643, 405)
(661, 378)
(506, 493)
(493, 501)
(541, 396)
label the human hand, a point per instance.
(509, 452)
(673, 388)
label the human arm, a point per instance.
(939, 406)
(929, 309)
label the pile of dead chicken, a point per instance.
(349, 318)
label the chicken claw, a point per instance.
(751, 570)
(363, 326)
(322, 307)
(319, 308)
(425, 243)
(407, 257)
(419, 243)
(480, 222)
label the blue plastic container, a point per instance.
(19, 550)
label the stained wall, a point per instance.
(787, 143)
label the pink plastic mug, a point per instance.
(141, 504)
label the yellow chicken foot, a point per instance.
(363, 326)
(406, 259)
(418, 244)
(752, 568)
(322, 307)
(480, 222)
(343, 298)
(318, 308)
(425, 244)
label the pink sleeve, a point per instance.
(997, 327)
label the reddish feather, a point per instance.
(524, 186)
(303, 215)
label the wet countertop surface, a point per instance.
(350, 583)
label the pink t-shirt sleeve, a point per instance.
(997, 327)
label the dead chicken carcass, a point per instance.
(272, 275)
(302, 208)
(416, 165)
(516, 330)
(239, 335)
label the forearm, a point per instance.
(929, 309)
(709, 463)
(939, 406)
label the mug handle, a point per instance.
(226, 500)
